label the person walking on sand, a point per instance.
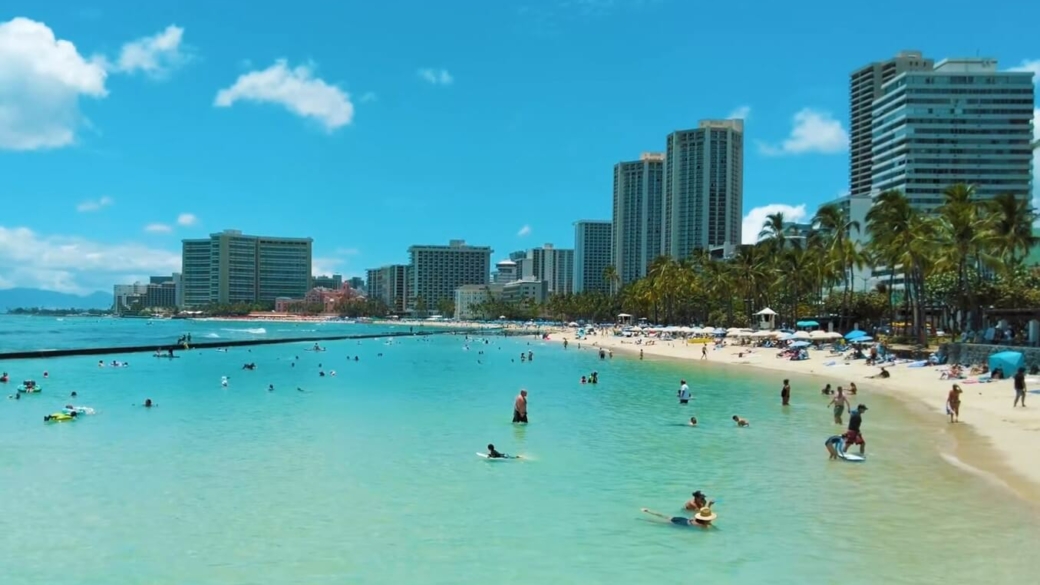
(785, 394)
(520, 408)
(953, 403)
(840, 403)
(1020, 387)
(704, 351)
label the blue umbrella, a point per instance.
(798, 344)
(862, 339)
(854, 334)
(807, 324)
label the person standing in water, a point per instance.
(785, 394)
(520, 408)
(853, 436)
(684, 392)
(839, 402)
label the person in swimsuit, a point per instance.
(840, 402)
(852, 388)
(1020, 387)
(853, 436)
(827, 390)
(693, 421)
(148, 403)
(698, 501)
(953, 403)
(785, 394)
(494, 454)
(684, 392)
(702, 519)
(520, 408)
(741, 422)
(834, 445)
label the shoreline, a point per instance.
(992, 440)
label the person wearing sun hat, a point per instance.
(702, 519)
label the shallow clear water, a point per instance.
(370, 476)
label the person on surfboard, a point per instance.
(702, 519)
(495, 454)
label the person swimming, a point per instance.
(698, 501)
(270, 387)
(693, 421)
(741, 422)
(583, 380)
(224, 381)
(148, 403)
(73, 394)
(702, 519)
(495, 454)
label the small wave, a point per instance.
(991, 478)
(252, 330)
(212, 336)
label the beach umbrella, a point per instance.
(862, 339)
(818, 334)
(832, 335)
(854, 334)
(807, 324)
(785, 336)
(798, 344)
(804, 335)
(732, 333)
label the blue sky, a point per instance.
(370, 126)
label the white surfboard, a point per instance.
(852, 457)
(485, 456)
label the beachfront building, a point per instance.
(390, 284)
(325, 298)
(160, 292)
(638, 205)
(964, 121)
(592, 249)
(333, 281)
(128, 297)
(241, 268)
(470, 296)
(505, 271)
(357, 283)
(865, 86)
(552, 265)
(437, 271)
(533, 290)
(703, 188)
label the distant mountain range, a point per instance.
(16, 298)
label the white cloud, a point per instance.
(741, 113)
(155, 56)
(187, 219)
(41, 80)
(322, 265)
(436, 76)
(752, 222)
(76, 265)
(524, 231)
(295, 89)
(368, 96)
(158, 228)
(94, 204)
(813, 131)
(1028, 65)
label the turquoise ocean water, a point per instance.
(371, 476)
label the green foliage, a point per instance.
(57, 312)
(236, 309)
(361, 307)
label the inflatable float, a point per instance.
(59, 417)
(69, 409)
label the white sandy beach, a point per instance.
(986, 408)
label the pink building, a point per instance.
(328, 298)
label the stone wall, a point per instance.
(976, 353)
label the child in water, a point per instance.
(741, 422)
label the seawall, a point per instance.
(164, 348)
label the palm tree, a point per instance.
(774, 230)
(610, 274)
(1012, 230)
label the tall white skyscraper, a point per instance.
(553, 265)
(638, 218)
(865, 86)
(965, 121)
(703, 187)
(591, 255)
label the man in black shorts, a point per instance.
(520, 408)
